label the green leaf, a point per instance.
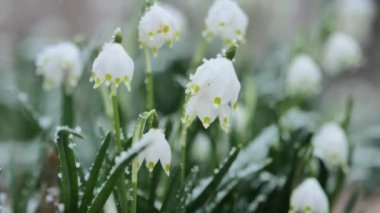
(122, 161)
(212, 185)
(170, 198)
(69, 178)
(94, 173)
(347, 114)
(155, 176)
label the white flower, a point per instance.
(60, 64)
(158, 26)
(226, 19)
(113, 66)
(158, 149)
(309, 197)
(303, 77)
(341, 53)
(214, 90)
(179, 19)
(355, 17)
(330, 145)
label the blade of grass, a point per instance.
(94, 173)
(212, 185)
(69, 178)
(121, 162)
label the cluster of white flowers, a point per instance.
(355, 17)
(330, 145)
(112, 66)
(226, 19)
(213, 90)
(158, 149)
(158, 26)
(60, 65)
(309, 197)
(341, 53)
(303, 77)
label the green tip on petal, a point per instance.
(151, 166)
(235, 105)
(108, 77)
(167, 169)
(222, 25)
(206, 122)
(217, 101)
(155, 51)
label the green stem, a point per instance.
(122, 194)
(137, 134)
(183, 138)
(198, 54)
(148, 81)
(67, 118)
(116, 119)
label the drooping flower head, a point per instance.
(158, 150)
(341, 53)
(158, 26)
(112, 66)
(227, 20)
(303, 77)
(330, 145)
(214, 90)
(355, 17)
(309, 197)
(60, 64)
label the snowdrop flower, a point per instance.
(309, 197)
(158, 149)
(112, 66)
(226, 19)
(158, 26)
(330, 145)
(355, 17)
(60, 64)
(303, 77)
(179, 19)
(341, 53)
(213, 90)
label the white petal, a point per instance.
(303, 77)
(309, 197)
(113, 66)
(330, 145)
(165, 154)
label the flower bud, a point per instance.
(158, 26)
(158, 150)
(112, 66)
(330, 145)
(60, 64)
(309, 197)
(227, 20)
(303, 77)
(214, 90)
(341, 53)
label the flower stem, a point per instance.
(148, 81)
(137, 134)
(67, 118)
(199, 52)
(183, 138)
(116, 119)
(122, 194)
